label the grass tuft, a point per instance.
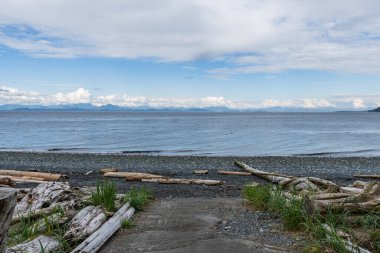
(105, 195)
(126, 224)
(138, 197)
(259, 195)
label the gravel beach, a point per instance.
(234, 223)
(76, 165)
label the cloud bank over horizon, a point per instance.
(250, 36)
(13, 96)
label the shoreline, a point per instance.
(76, 165)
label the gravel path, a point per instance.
(214, 225)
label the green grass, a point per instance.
(259, 195)
(126, 224)
(291, 210)
(105, 195)
(138, 197)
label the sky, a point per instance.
(240, 54)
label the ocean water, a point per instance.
(193, 133)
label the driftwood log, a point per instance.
(67, 205)
(366, 201)
(200, 172)
(285, 181)
(86, 222)
(7, 205)
(368, 176)
(7, 181)
(42, 175)
(238, 173)
(105, 170)
(183, 181)
(350, 247)
(95, 241)
(43, 196)
(40, 244)
(132, 175)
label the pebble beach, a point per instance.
(77, 165)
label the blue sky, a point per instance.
(238, 54)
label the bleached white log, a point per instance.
(7, 205)
(237, 173)
(353, 190)
(350, 247)
(136, 175)
(84, 223)
(40, 244)
(43, 196)
(272, 177)
(182, 181)
(67, 205)
(95, 241)
(200, 172)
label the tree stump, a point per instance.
(7, 206)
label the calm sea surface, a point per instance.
(193, 133)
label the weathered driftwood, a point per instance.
(200, 171)
(43, 196)
(368, 200)
(86, 222)
(43, 175)
(40, 244)
(95, 241)
(238, 173)
(350, 247)
(67, 205)
(7, 181)
(291, 182)
(132, 175)
(273, 177)
(7, 205)
(105, 170)
(367, 176)
(27, 179)
(183, 181)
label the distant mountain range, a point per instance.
(375, 110)
(110, 107)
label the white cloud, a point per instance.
(10, 95)
(250, 35)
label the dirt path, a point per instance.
(201, 225)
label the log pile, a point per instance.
(58, 203)
(11, 177)
(322, 195)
